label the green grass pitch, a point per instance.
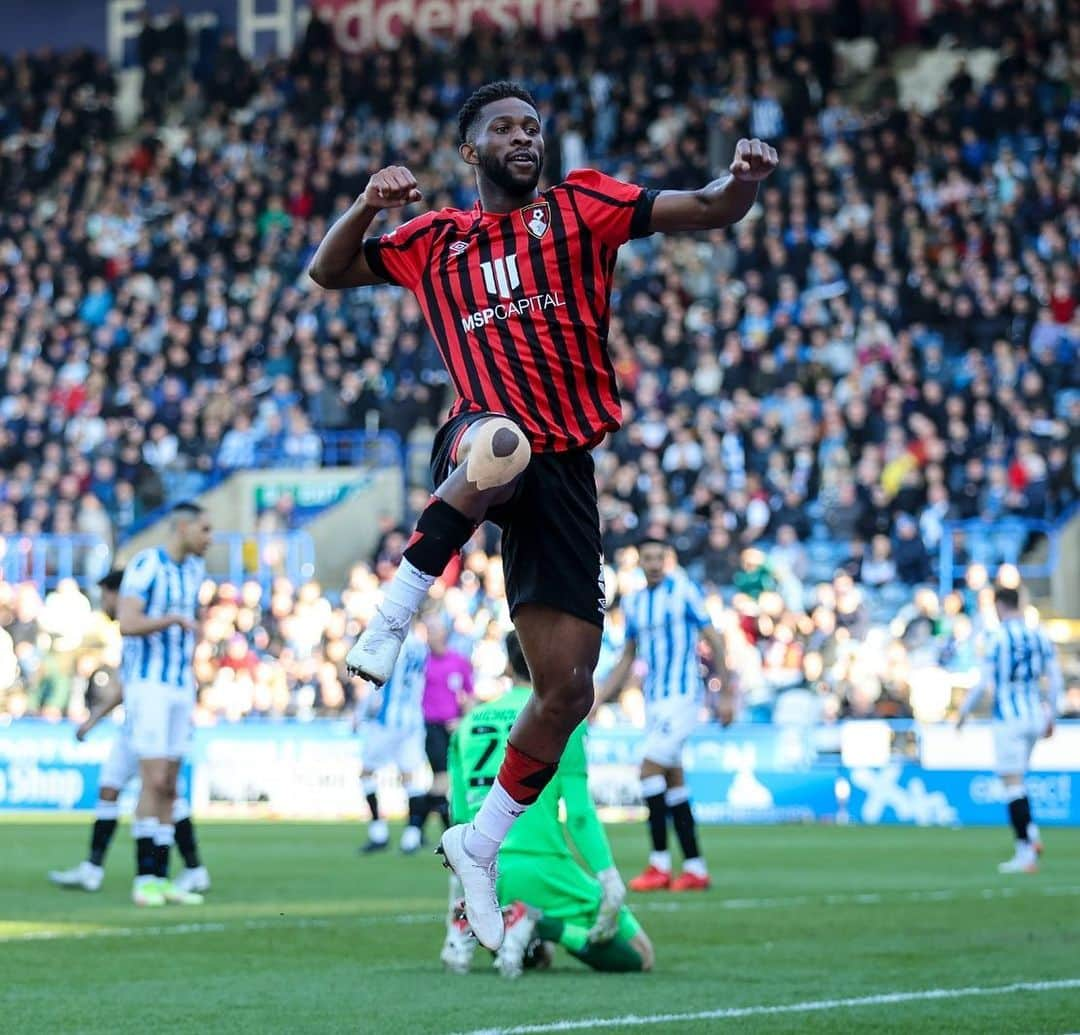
(300, 934)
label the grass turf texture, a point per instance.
(300, 934)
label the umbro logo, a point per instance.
(458, 247)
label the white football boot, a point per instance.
(1024, 861)
(86, 877)
(478, 883)
(194, 879)
(459, 946)
(374, 655)
(520, 921)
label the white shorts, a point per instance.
(1013, 743)
(122, 765)
(385, 746)
(159, 718)
(667, 726)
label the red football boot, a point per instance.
(690, 882)
(652, 879)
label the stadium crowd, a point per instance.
(889, 341)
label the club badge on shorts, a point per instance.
(537, 218)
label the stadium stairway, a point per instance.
(337, 508)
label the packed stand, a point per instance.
(279, 652)
(888, 342)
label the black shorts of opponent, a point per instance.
(551, 545)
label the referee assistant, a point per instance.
(448, 693)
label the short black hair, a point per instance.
(515, 656)
(1008, 596)
(188, 509)
(112, 580)
(652, 540)
(485, 95)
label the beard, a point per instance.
(496, 170)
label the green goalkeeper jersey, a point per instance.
(476, 752)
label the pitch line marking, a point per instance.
(362, 920)
(809, 1006)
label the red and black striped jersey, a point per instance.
(518, 302)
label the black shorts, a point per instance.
(437, 745)
(551, 548)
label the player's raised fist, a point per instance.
(392, 187)
(754, 160)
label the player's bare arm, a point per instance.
(339, 261)
(133, 620)
(106, 705)
(618, 675)
(722, 202)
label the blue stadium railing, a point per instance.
(47, 560)
(994, 543)
(339, 449)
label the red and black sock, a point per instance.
(440, 532)
(524, 777)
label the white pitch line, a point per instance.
(633, 1020)
(861, 899)
(789, 902)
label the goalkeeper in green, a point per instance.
(546, 894)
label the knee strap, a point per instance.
(498, 453)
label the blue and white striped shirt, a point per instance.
(164, 587)
(403, 692)
(665, 621)
(1017, 660)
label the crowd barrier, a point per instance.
(857, 772)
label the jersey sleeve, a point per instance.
(401, 256)
(630, 613)
(459, 801)
(616, 212)
(695, 607)
(139, 575)
(582, 822)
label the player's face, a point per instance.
(197, 536)
(509, 146)
(653, 558)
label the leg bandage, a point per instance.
(498, 453)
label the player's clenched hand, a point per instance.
(185, 623)
(607, 920)
(392, 187)
(754, 160)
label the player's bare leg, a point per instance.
(562, 652)
(490, 457)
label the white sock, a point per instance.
(696, 867)
(378, 831)
(107, 810)
(676, 796)
(146, 878)
(1032, 833)
(653, 785)
(661, 860)
(406, 591)
(144, 826)
(181, 810)
(165, 834)
(492, 823)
